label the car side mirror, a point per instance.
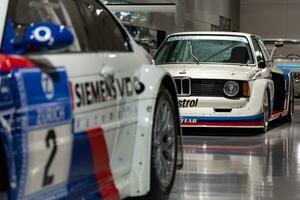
(46, 36)
(262, 64)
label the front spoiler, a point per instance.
(255, 121)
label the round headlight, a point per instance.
(231, 88)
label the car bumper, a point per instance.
(254, 121)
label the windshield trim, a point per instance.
(208, 63)
(229, 35)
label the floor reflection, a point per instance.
(237, 167)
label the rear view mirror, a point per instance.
(262, 64)
(36, 37)
(46, 36)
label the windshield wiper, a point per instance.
(189, 42)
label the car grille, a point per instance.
(211, 88)
(183, 86)
(203, 87)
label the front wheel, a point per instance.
(166, 127)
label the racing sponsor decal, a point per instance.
(43, 34)
(99, 91)
(49, 158)
(44, 119)
(187, 103)
(188, 120)
(206, 37)
(47, 86)
(255, 120)
(50, 114)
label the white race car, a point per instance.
(80, 114)
(224, 79)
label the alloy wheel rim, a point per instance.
(164, 143)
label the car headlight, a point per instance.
(231, 88)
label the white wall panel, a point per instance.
(271, 18)
(198, 15)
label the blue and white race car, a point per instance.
(286, 55)
(80, 114)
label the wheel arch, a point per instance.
(170, 85)
(279, 81)
(140, 172)
(259, 88)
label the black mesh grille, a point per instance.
(211, 88)
(186, 86)
(178, 85)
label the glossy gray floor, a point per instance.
(230, 167)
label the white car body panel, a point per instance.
(127, 120)
(252, 106)
(131, 177)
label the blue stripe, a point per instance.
(253, 118)
(82, 179)
(288, 67)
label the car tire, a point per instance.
(290, 115)
(266, 113)
(166, 128)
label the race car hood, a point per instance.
(211, 71)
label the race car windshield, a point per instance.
(289, 50)
(204, 49)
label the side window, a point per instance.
(258, 53)
(264, 49)
(104, 32)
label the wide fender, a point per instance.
(152, 78)
(258, 88)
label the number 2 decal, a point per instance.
(49, 158)
(50, 141)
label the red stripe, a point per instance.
(102, 169)
(275, 114)
(8, 63)
(224, 124)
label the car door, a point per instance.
(102, 71)
(122, 66)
